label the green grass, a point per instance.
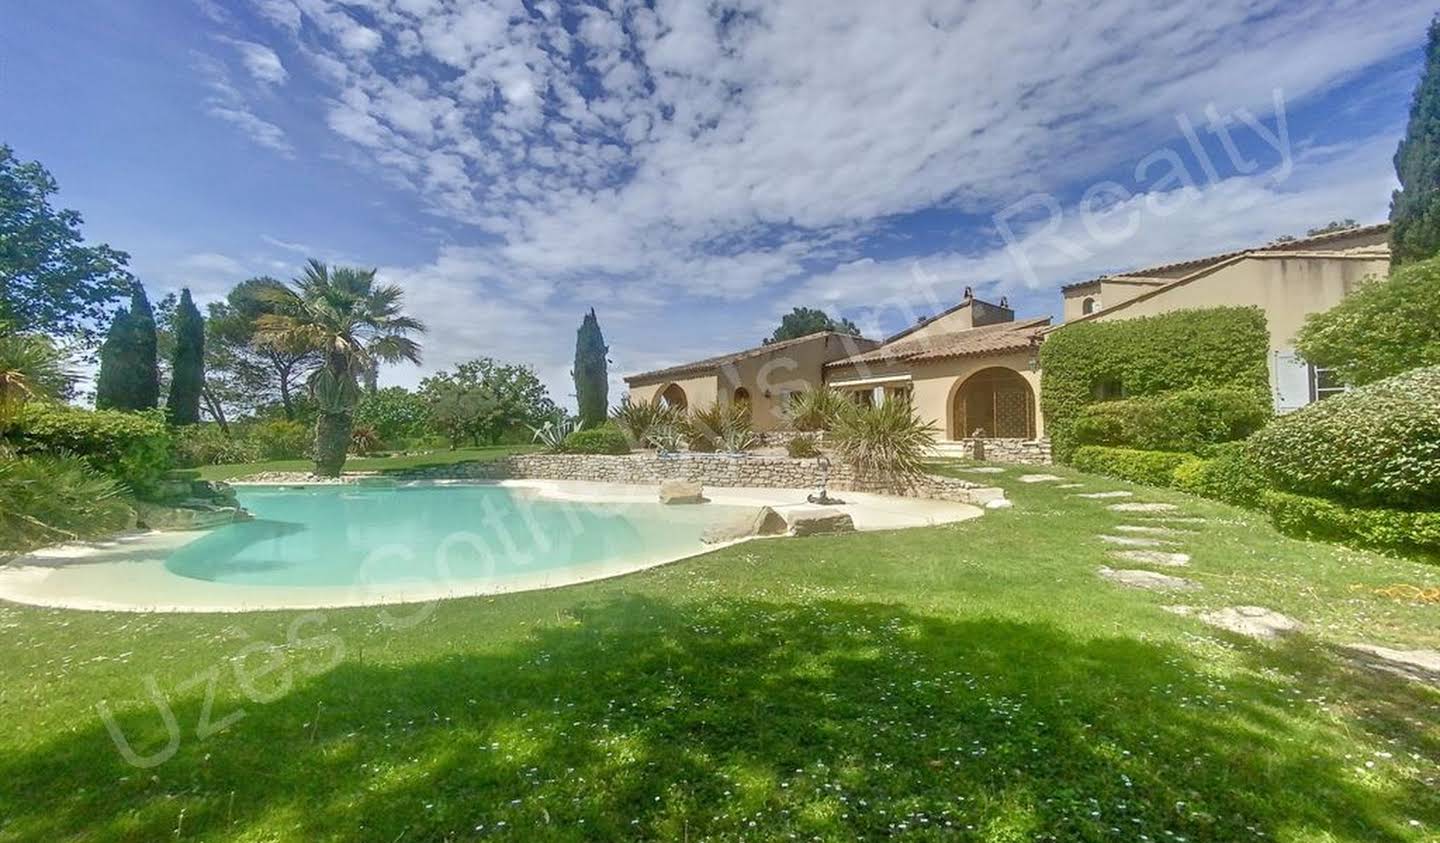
(406, 462)
(968, 682)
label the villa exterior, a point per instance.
(974, 371)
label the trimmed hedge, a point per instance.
(1410, 533)
(1378, 445)
(598, 440)
(1186, 420)
(1151, 468)
(1211, 348)
(134, 448)
(1229, 476)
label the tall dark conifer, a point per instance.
(187, 372)
(145, 355)
(591, 372)
(1415, 207)
(114, 389)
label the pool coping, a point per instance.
(129, 569)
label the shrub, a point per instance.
(1402, 531)
(1212, 348)
(47, 499)
(394, 412)
(606, 439)
(1382, 329)
(1151, 468)
(364, 441)
(802, 447)
(207, 444)
(639, 420)
(279, 439)
(887, 441)
(133, 448)
(1186, 420)
(1229, 476)
(815, 409)
(1378, 445)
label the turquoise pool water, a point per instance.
(365, 536)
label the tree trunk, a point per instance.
(285, 396)
(332, 441)
(216, 410)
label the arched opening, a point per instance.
(997, 401)
(1087, 307)
(741, 398)
(673, 397)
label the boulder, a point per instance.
(179, 518)
(681, 492)
(763, 521)
(817, 520)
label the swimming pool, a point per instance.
(373, 537)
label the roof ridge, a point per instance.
(718, 360)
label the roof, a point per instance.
(987, 339)
(1197, 264)
(964, 303)
(722, 360)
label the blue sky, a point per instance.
(693, 170)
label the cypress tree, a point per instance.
(592, 378)
(146, 378)
(187, 374)
(113, 386)
(1415, 207)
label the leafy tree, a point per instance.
(187, 369)
(1415, 207)
(50, 281)
(592, 379)
(129, 378)
(354, 323)
(482, 399)
(241, 371)
(808, 320)
(1384, 328)
(394, 413)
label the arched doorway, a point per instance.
(673, 397)
(742, 399)
(998, 401)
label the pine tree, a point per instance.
(113, 387)
(187, 374)
(1415, 207)
(591, 374)
(146, 378)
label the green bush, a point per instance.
(887, 441)
(606, 439)
(1386, 327)
(1224, 347)
(48, 499)
(395, 413)
(1228, 476)
(278, 439)
(133, 448)
(1378, 445)
(1151, 468)
(1397, 530)
(1185, 420)
(207, 444)
(802, 447)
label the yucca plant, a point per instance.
(31, 368)
(815, 409)
(720, 427)
(49, 499)
(638, 420)
(886, 442)
(666, 437)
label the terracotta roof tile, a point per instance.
(988, 339)
(698, 366)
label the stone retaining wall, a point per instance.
(1020, 451)
(706, 469)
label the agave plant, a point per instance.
(639, 420)
(815, 409)
(552, 434)
(886, 442)
(666, 437)
(720, 427)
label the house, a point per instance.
(762, 378)
(1288, 281)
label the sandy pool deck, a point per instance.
(128, 573)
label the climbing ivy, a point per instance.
(1152, 355)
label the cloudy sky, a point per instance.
(694, 169)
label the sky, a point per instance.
(693, 170)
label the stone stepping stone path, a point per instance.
(1147, 580)
(1142, 507)
(1252, 622)
(1102, 495)
(1163, 558)
(1039, 478)
(1135, 541)
(1150, 531)
(984, 469)
(1418, 665)
(1071, 486)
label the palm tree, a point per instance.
(31, 368)
(353, 324)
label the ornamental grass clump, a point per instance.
(815, 410)
(884, 442)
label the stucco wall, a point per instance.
(700, 391)
(934, 386)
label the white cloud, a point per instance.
(225, 101)
(262, 62)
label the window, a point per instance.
(1087, 307)
(1325, 383)
(1108, 389)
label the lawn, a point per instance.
(402, 462)
(969, 682)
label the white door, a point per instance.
(1289, 381)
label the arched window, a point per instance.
(742, 398)
(1087, 307)
(674, 397)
